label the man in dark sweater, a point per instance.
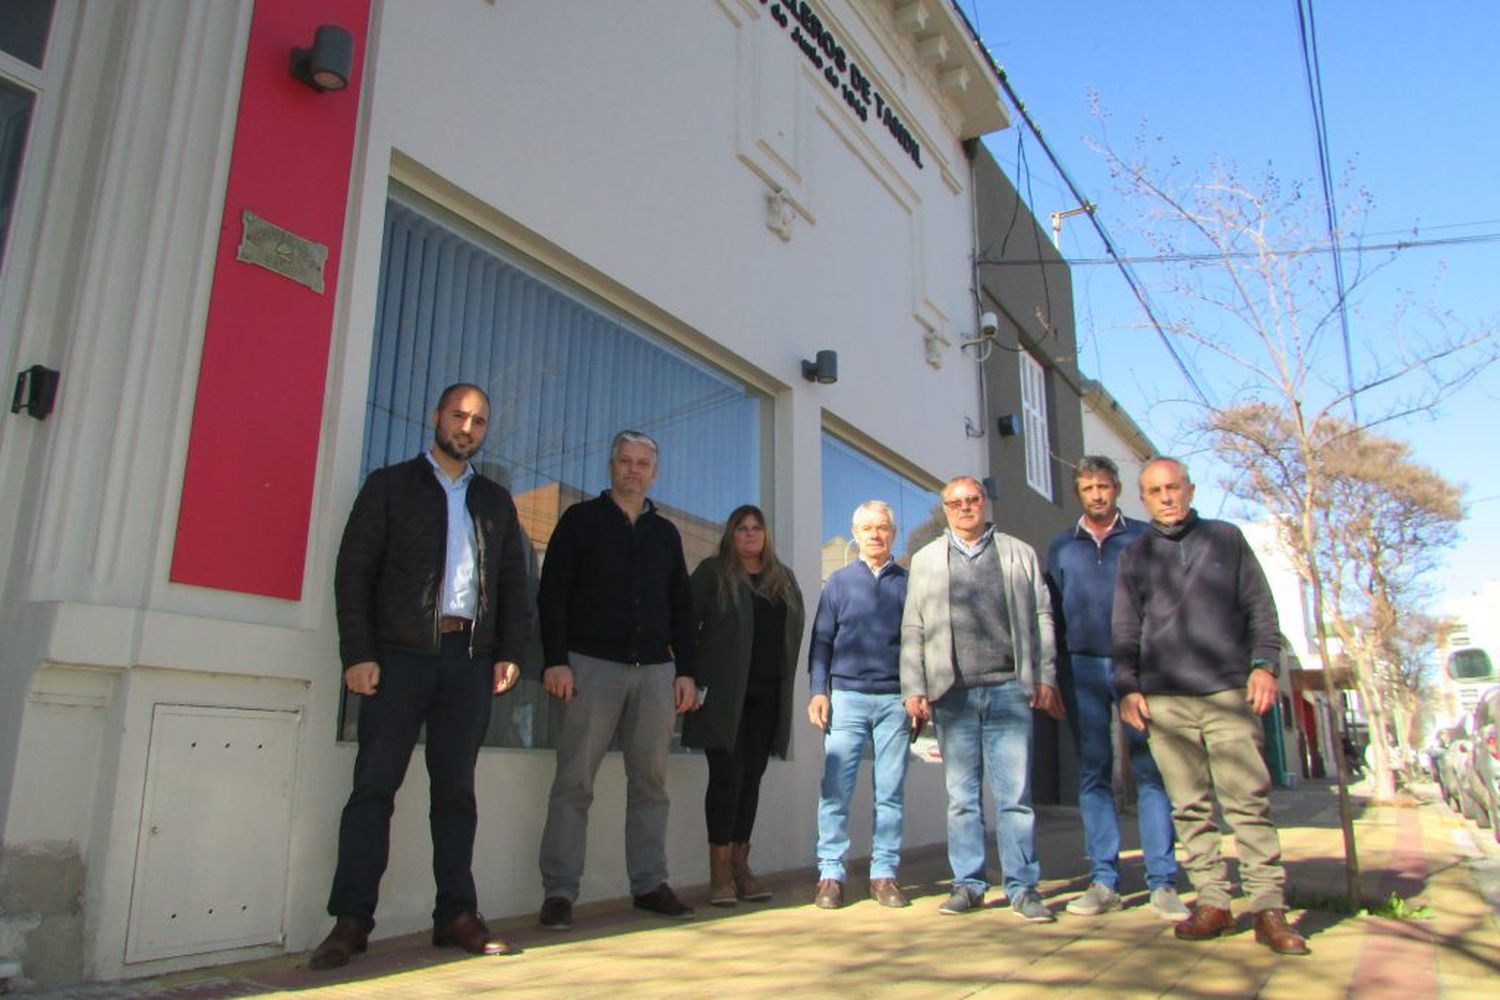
(855, 699)
(617, 637)
(1081, 565)
(1197, 650)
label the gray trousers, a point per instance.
(1206, 747)
(637, 702)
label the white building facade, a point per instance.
(640, 214)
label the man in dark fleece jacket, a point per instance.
(1196, 654)
(855, 688)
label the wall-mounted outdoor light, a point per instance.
(1008, 424)
(326, 65)
(36, 391)
(824, 370)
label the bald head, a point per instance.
(1166, 490)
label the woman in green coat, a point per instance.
(750, 628)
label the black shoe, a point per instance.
(664, 902)
(557, 914)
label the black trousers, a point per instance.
(734, 775)
(452, 694)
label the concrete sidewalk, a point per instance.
(788, 947)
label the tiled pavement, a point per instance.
(790, 948)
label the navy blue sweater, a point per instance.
(856, 636)
(1081, 575)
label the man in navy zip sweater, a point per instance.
(1081, 564)
(855, 688)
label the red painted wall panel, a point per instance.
(251, 462)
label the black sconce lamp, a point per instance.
(326, 65)
(36, 391)
(1008, 424)
(824, 370)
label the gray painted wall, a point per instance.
(1021, 292)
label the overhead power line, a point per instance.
(1109, 244)
(1207, 256)
(1313, 71)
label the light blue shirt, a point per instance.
(973, 550)
(460, 580)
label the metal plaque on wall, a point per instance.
(282, 251)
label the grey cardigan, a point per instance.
(927, 632)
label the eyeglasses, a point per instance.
(959, 503)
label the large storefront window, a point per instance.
(849, 479)
(24, 27)
(564, 372)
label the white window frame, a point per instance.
(1034, 425)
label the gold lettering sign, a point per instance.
(282, 251)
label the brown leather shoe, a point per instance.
(830, 894)
(467, 931)
(1272, 930)
(1206, 922)
(350, 936)
(886, 892)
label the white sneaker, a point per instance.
(1097, 898)
(1168, 906)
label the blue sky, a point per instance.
(1409, 92)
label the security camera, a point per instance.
(989, 324)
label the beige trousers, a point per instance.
(1207, 747)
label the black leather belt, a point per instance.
(452, 623)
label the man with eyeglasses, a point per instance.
(977, 656)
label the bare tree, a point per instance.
(1249, 297)
(1382, 520)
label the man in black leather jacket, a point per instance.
(430, 587)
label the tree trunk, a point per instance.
(1382, 777)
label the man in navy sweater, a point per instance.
(856, 698)
(1081, 564)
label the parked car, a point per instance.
(1479, 795)
(1453, 764)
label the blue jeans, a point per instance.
(1088, 692)
(987, 730)
(856, 718)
